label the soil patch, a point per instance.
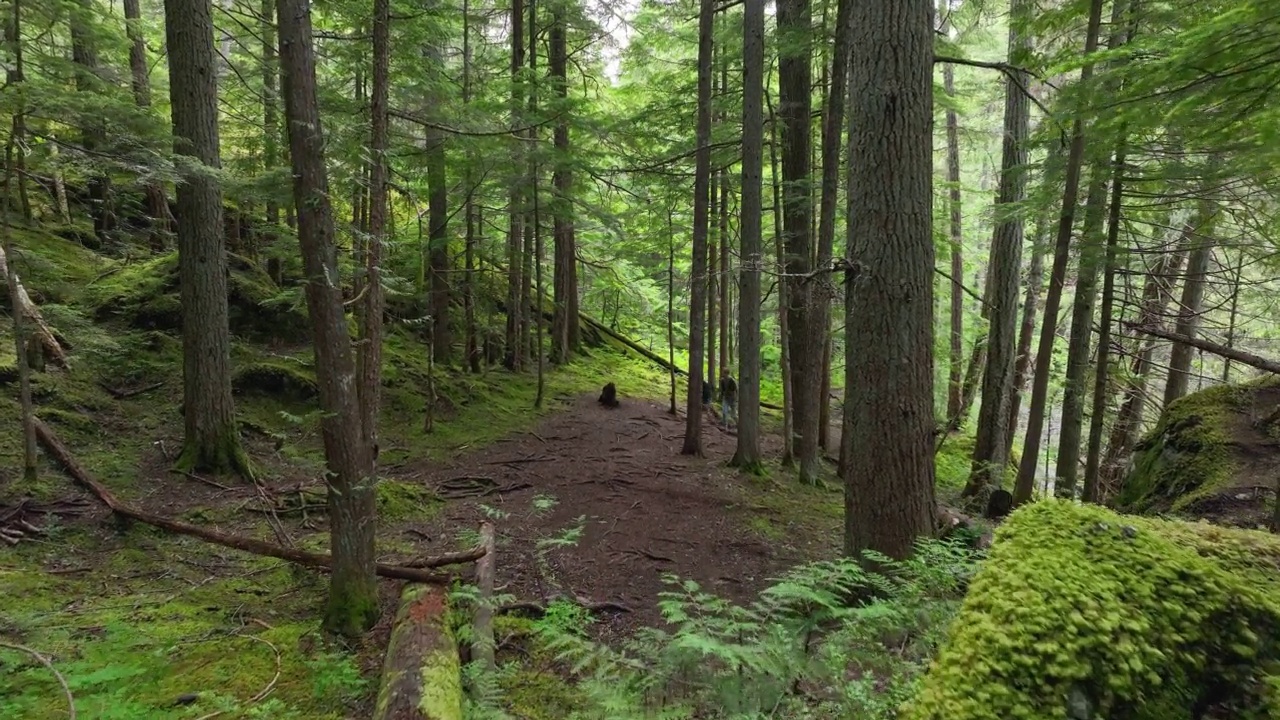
(643, 509)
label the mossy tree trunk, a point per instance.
(747, 455)
(1057, 277)
(990, 453)
(353, 593)
(212, 441)
(889, 472)
(701, 221)
(421, 674)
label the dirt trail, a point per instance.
(645, 509)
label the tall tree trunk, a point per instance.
(30, 456)
(990, 452)
(438, 236)
(156, 204)
(352, 607)
(701, 191)
(369, 357)
(889, 473)
(471, 343)
(13, 36)
(515, 234)
(751, 255)
(713, 263)
(671, 307)
(956, 359)
(93, 133)
(788, 397)
(726, 286)
(1192, 299)
(270, 111)
(212, 441)
(1057, 276)
(534, 212)
(530, 304)
(1074, 384)
(1231, 318)
(563, 339)
(1102, 374)
(794, 94)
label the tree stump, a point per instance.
(421, 675)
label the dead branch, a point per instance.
(71, 701)
(63, 456)
(126, 394)
(28, 308)
(1240, 356)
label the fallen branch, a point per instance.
(537, 608)
(63, 456)
(50, 343)
(71, 701)
(1240, 356)
(126, 394)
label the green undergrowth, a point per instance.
(1080, 612)
(167, 628)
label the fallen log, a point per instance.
(421, 674)
(483, 646)
(1240, 356)
(52, 348)
(60, 453)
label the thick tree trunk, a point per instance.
(990, 454)
(747, 454)
(701, 191)
(353, 593)
(369, 356)
(1057, 277)
(794, 96)
(889, 473)
(515, 233)
(421, 674)
(438, 237)
(156, 203)
(1074, 385)
(563, 338)
(212, 441)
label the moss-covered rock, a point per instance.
(1082, 613)
(1209, 457)
(289, 380)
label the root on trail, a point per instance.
(417, 572)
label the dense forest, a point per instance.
(668, 358)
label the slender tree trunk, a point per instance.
(353, 592)
(751, 256)
(30, 455)
(1191, 303)
(701, 191)
(515, 301)
(956, 364)
(270, 111)
(471, 343)
(212, 441)
(671, 307)
(713, 263)
(726, 286)
(889, 473)
(438, 235)
(795, 90)
(1231, 318)
(788, 397)
(537, 224)
(990, 452)
(13, 36)
(369, 357)
(156, 203)
(1057, 276)
(93, 134)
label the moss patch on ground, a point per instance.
(1083, 613)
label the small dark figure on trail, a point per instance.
(609, 396)
(999, 504)
(728, 400)
(706, 393)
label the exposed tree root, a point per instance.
(71, 701)
(418, 572)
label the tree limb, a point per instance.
(1239, 356)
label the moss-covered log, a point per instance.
(1082, 613)
(1211, 456)
(421, 675)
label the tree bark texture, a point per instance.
(565, 337)
(157, 205)
(701, 221)
(515, 232)
(438, 237)
(955, 369)
(1190, 304)
(421, 674)
(353, 594)
(212, 441)
(784, 327)
(889, 473)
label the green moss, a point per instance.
(1187, 456)
(402, 501)
(292, 380)
(539, 695)
(220, 453)
(1131, 617)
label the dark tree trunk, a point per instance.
(1189, 309)
(369, 356)
(438, 218)
(93, 133)
(30, 457)
(564, 341)
(1057, 277)
(1231, 317)
(515, 233)
(747, 455)
(538, 316)
(889, 473)
(270, 110)
(956, 347)
(13, 36)
(353, 592)
(211, 442)
(794, 96)
(469, 278)
(157, 205)
(701, 191)
(990, 452)
(671, 308)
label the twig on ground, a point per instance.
(71, 701)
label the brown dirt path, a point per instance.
(645, 510)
